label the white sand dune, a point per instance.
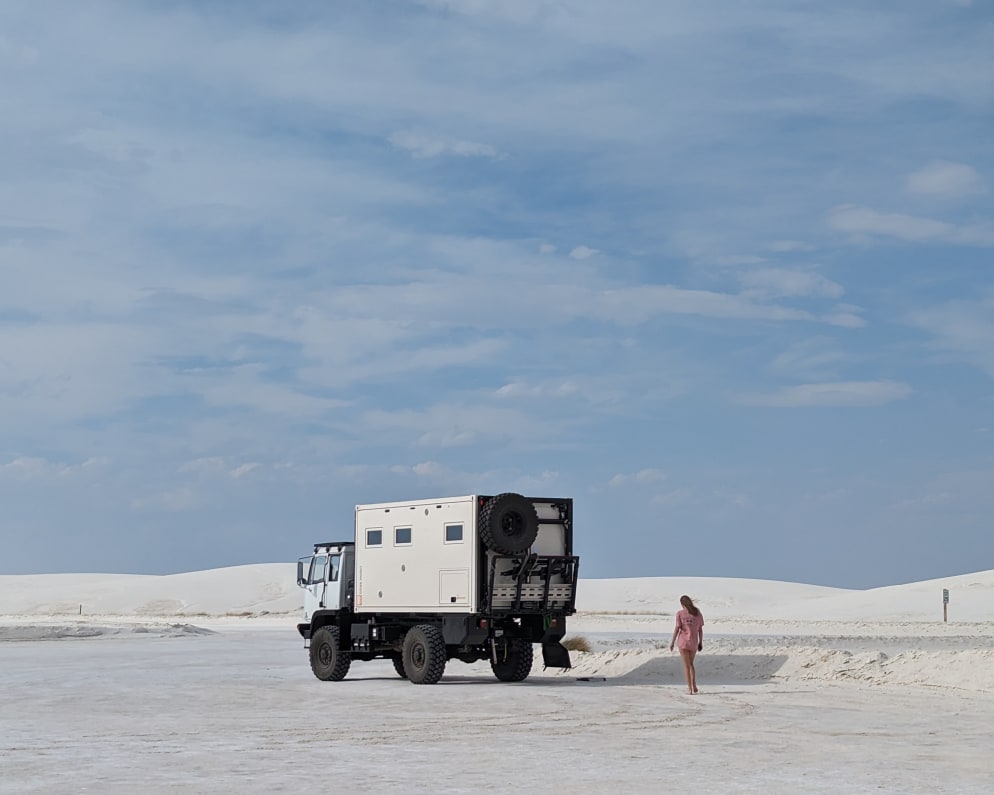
(971, 598)
(266, 589)
(721, 596)
(234, 591)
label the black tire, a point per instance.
(514, 660)
(424, 654)
(328, 662)
(508, 524)
(398, 666)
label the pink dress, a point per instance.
(690, 627)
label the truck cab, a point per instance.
(327, 577)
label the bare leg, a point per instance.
(688, 669)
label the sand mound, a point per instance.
(969, 669)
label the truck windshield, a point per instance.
(318, 565)
(324, 564)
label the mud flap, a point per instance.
(555, 655)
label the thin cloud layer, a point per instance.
(260, 270)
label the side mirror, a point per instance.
(300, 573)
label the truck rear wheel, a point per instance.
(514, 660)
(508, 524)
(398, 666)
(424, 654)
(328, 662)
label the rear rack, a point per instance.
(533, 589)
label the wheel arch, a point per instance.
(322, 618)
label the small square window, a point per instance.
(402, 536)
(374, 538)
(453, 533)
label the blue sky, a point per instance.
(720, 272)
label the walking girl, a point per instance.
(689, 636)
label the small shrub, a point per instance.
(576, 643)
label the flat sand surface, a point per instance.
(224, 701)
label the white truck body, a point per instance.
(423, 556)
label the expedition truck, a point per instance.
(421, 583)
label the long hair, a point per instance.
(687, 602)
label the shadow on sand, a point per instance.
(712, 670)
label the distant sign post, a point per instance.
(945, 604)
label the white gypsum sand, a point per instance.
(198, 682)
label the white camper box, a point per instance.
(426, 556)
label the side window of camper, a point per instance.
(453, 534)
(374, 538)
(402, 536)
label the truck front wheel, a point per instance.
(514, 660)
(328, 662)
(424, 654)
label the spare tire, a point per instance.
(508, 524)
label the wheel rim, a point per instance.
(418, 656)
(513, 524)
(325, 654)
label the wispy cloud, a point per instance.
(782, 282)
(641, 476)
(863, 222)
(835, 394)
(844, 316)
(518, 389)
(946, 180)
(35, 467)
(218, 467)
(636, 304)
(782, 246)
(816, 358)
(422, 145)
(583, 252)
